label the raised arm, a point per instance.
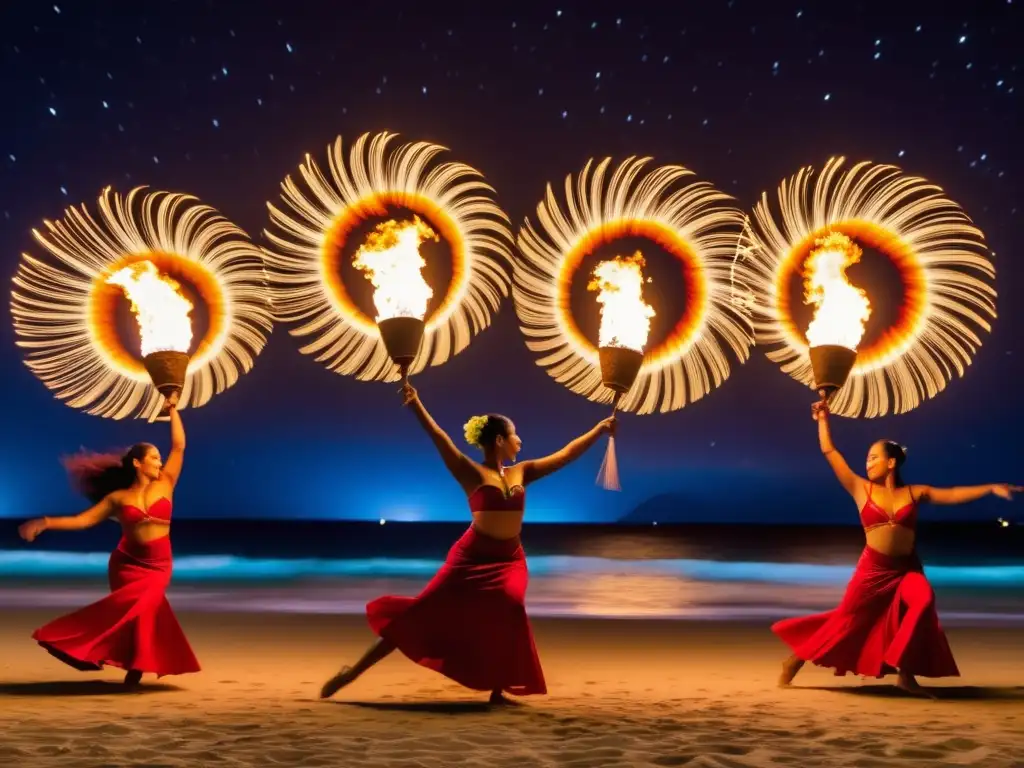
(461, 466)
(176, 457)
(95, 515)
(964, 494)
(535, 469)
(850, 481)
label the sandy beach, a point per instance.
(622, 693)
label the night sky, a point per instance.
(222, 100)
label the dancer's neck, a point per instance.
(493, 462)
(140, 484)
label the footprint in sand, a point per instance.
(671, 760)
(919, 753)
(731, 749)
(957, 745)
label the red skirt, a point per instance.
(885, 622)
(133, 627)
(469, 623)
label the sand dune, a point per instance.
(623, 693)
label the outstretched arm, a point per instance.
(965, 493)
(460, 465)
(91, 517)
(535, 469)
(172, 467)
(844, 474)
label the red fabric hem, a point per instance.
(96, 665)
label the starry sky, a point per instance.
(222, 100)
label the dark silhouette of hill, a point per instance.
(665, 508)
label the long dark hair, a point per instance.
(95, 475)
(894, 450)
(496, 426)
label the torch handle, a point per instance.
(608, 474)
(615, 402)
(164, 414)
(405, 374)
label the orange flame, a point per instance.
(625, 317)
(840, 308)
(390, 259)
(160, 308)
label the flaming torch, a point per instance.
(390, 259)
(625, 324)
(165, 329)
(840, 311)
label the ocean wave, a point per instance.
(40, 564)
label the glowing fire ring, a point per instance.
(927, 237)
(308, 245)
(692, 222)
(64, 312)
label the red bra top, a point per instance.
(873, 516)
(493, 499)
(159, 512)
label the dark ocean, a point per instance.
(742, 572)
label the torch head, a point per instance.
(167, 369)
(831, 365)
(402, 337)
(625, 320)
(619, 367)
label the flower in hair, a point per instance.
(474, 428)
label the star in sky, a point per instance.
(223, 104)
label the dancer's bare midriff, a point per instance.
(893, 540)
(499, 523)
(146, 531)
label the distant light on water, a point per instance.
(402, 512)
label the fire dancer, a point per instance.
(469, 623)
(886, 622)
(133, 628)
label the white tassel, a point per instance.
(608, 474)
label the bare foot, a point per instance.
(497, 697)
(907, 683)
(133, 678)
(337, 682)
(790, 667)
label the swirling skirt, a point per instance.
(469, 623)
(885, 622)
(133, 627)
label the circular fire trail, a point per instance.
(142, 245)
(689, 219)
(816, 228)
(309, 231)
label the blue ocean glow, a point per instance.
(210, 568)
